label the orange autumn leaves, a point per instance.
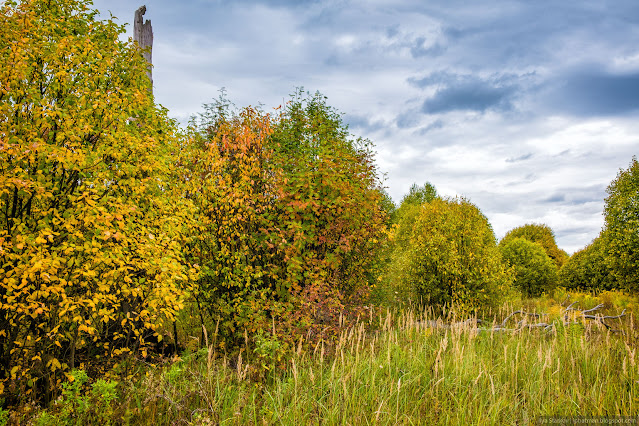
(289, 212)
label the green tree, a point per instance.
(587, 269)
(388, 206)
(90, 259)
(535, 272)
(542, 235)
(448, 254)
(622, 226)
(418, 195)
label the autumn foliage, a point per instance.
(534, 271)
(289, 217)
(610, 261)
(111, 220)
(587, 269)
(446, 251)
(271, 227)
(621, 231)
(90, 260)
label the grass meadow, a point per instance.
(401, 366)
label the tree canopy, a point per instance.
(446, 250)
(535, 273)
(622, 226)
(542, 235)
(588, 269)
(90, 259)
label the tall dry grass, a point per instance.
(416, 368)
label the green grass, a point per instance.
(406, 372)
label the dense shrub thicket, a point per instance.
(290, 216)
(272, 228)
(535, 273)
(587, 269)
(611, 260)
(111, 220)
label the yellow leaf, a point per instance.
(54, 364)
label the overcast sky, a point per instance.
(527, 108)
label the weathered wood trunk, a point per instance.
(143, 34)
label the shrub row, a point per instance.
(112, 220)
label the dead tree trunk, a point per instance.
(143, 34)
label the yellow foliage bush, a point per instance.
(542, 235)
(90, 257)
(446, 253)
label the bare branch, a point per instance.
(521, 324)
(569, 308)
(599, 306)
(599, 318)
(533, 314)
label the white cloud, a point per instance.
(518, 125)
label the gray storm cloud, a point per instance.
(527, 108)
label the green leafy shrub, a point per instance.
(535, 272)
(622, 227)
(446, 253)
(388, 290)
(542, 235)
(4, 414)
(388, 206)
(73, 402)
(418, 195)
(80, 404)
(270, 351)
(587, 269)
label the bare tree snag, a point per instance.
(143, 34)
